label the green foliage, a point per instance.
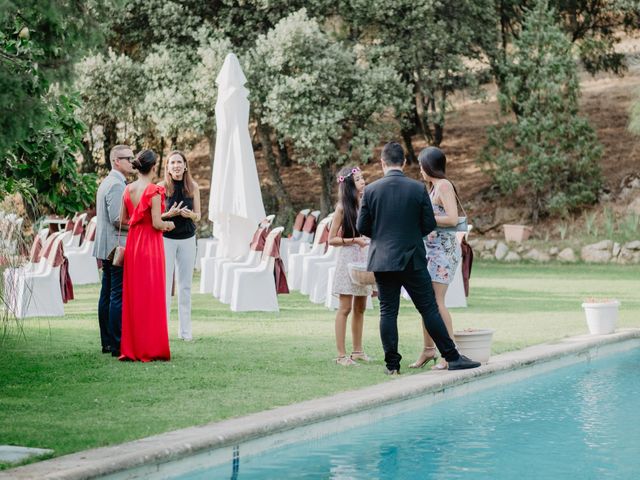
(45, 162)
(436, 50)
(315, 92)
(592, 25)
(548, 155)
(321, 94)
(107, 84)
(39, 41)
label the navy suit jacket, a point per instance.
(396, 213)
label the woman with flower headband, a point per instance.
(343, 234)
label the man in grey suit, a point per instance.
(396, 214)
(108, 205)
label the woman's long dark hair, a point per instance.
(434, 163)
(349, 198)
(187, 180)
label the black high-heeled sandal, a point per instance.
(421, 364)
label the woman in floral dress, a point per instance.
(443, 250)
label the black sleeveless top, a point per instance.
(185, 228)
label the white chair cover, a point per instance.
(254, 289)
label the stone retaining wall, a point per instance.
(605, 251)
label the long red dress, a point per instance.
(144, 314)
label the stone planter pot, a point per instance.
(602, 317)
(516, 233)
(475, 343)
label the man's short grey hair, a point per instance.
(113, 153)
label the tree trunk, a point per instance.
(160, 158)
(283, 154)
(285, 207)
(411, 154)
(421, 118)
(89, 164)
(110, 138)
(326, 176)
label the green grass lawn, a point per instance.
(58, 391)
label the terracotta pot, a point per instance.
(602, 318)
(516, 233)
(475, 343)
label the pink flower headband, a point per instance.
(342, 178)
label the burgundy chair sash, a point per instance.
(310, 224)
(36, 250)
(58, 259)
(278, 271)
(78, 228)
(299, 222)
(259, 238)
(467, 264)
(324, 236)
(69, 226)
(48, 245)
(91, 232)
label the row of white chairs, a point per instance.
(247, 283)
(311, 270)
(34, 289)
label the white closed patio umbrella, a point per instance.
(235, 203)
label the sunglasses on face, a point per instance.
(128, 159)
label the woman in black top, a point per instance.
(183, 208)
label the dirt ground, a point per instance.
(605, 100)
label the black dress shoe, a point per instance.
(115, 353)
(106, 349)
(391, 372)
(463, 363)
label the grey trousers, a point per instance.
(180, 255)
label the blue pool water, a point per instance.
(577, 422)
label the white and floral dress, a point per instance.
(443, 252)
(342, 284)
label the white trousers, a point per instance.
(180, 255)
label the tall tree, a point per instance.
(321, 96)
(592, 25)
(39, 136)
(39, 42)
(435, 48)
(547, 155)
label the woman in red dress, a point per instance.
(144, 314)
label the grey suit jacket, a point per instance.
(108, 204)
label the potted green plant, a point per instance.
(601, 314)
(474, 343)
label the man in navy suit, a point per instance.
(396, 214)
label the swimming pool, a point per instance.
(580, 421)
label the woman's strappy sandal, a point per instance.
(427, 354)
(345, 361)
(361, 356)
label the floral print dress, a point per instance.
(443, 252)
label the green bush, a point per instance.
(545, 154)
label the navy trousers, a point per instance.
(110, 306)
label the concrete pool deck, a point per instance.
(146, 456)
